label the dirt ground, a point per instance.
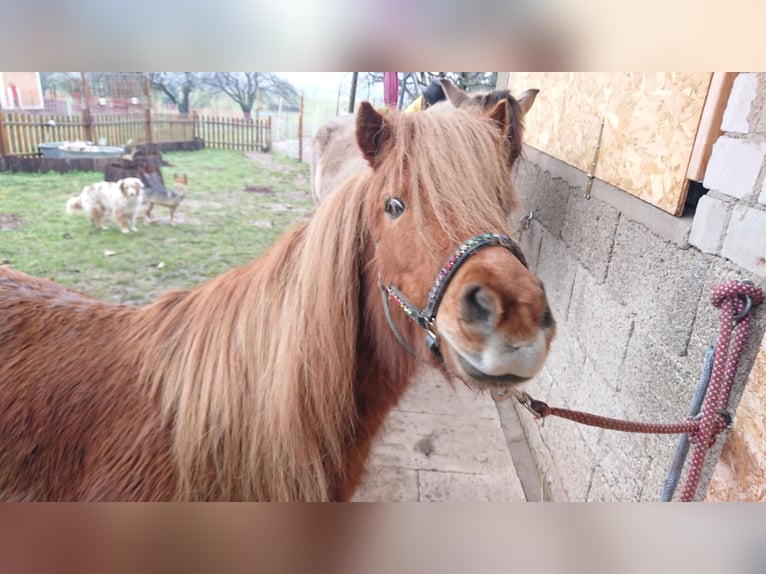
(290, 148)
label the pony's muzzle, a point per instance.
(501, 330)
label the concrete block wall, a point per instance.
(629, 286)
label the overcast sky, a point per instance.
(326, 84)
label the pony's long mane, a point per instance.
(260, 362)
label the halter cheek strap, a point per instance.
(426, 318)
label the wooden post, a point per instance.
(148, 91)
(87, 119)
(268, 145)
(352, 97)
(300, 132)
(149, 135)
(710, 123)
(4, 147)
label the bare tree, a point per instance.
(67, 82)
(244, 87)
(177, 86)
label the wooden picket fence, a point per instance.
(21, 133)
(235, 134)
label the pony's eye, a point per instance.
(394, 207)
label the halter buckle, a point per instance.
(432, 342)
(526, 401)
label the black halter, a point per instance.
(426, 318)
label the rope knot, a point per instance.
(736, 289)
(721, 421)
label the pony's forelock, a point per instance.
(474, 194)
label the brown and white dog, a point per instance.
(122, 200)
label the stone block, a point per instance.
(556, 268)
(710, 221)
(734, 166)
(659, 222)
(735, 117)
(548, 201)
(530, 240)
(599, 489)
(745, 241)
(589, 230)
(601, 324)
(654, 384)
(573, 459)
(659, 451)
(565, 365)
(622, 459)
(598, 395)
(658, 282)
(758, 110)
(525, 175)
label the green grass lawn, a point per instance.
(220, 224)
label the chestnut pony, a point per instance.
(269, 382)
(335, 156)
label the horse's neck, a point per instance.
(385, 367)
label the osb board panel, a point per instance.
(651, 120)
(740, 474)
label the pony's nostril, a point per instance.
(477, 306)
(546, 320)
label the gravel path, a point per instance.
(290, 147)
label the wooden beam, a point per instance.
(4, 147)
(710, 124)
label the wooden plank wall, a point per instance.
(651, 122)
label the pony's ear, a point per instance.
(499, 114)
(372, 133)
(526, 100)
(455, 95)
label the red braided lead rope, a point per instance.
(690, 427)
(703, 430)
(731, 342)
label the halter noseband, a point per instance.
(426, 318)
